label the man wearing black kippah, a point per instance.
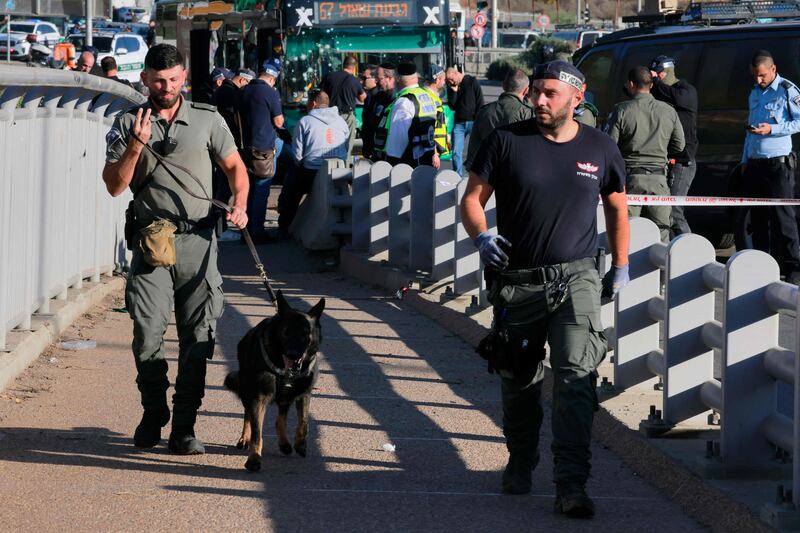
(407, 130)
(373, 110)
(547, 174)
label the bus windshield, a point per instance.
(311, 54)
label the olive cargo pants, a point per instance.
(655, 184)
(193, 286)
(577, 345)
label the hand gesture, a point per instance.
(142, 126)
(437, 162)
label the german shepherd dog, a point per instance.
(277, 363)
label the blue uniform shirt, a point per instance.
(260, 103)
(779, 107)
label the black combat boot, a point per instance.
(183, 442)
(517, 475)
(148, 432)
(572, 500)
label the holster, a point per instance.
(130, 226)
(507, 350)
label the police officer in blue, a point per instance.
(768, 162)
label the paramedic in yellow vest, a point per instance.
(434, 83)
(411, 121)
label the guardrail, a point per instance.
(477, 60)
(58, 224)
(410, 219)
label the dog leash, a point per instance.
(262, 273)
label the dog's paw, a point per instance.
(242, 444)
(300, 449)
(253, 463)
(286, 448)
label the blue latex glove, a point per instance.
(489, 247)
(614, 280)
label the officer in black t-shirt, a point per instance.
(547, 174)
(682, 96)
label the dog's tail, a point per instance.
(232, 381)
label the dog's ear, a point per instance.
(316, 311)
(283, 305)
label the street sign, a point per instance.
(476, 32)
(543, 21)
(480, 19)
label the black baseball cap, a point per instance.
(560, 70)
(659, 63)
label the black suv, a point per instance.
(716, 60)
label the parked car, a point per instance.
(32, 31)
(579, 37)
(516, 38)
(19, 45)
(140, 14)
(129, 49)
(716, 60)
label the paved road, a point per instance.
(388, 376)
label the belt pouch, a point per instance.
(157, 243)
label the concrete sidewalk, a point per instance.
(390, 375)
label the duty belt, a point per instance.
(644, 170)
(192, 226)
(540, 275)
(783, 159)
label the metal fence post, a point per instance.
(689, 301)
(751, 329)
(636, 331)
(421, 236)
(445, 205)
(468, 272)
(379, 207)
(360, 210)
(399, 215)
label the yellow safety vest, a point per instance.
(423, 128)
(440, 132)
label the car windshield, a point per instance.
(22, 28)
(512, 40)
(103, 44)
(565, 35)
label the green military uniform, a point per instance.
(645, 130)
(193, 286)
(507, 109)
(586, 113)
(577, 344)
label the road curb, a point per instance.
(12, 364)
(704, 503)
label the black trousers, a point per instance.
(774, 229)
(298, 183)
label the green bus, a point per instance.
(311, 37)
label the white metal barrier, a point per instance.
(58, 224)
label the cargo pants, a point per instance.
(655, 184)
(193, 287)
(577, 346)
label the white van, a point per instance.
(128, 49)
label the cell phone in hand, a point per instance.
(750, 127)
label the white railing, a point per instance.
(58, 225)
(410, 218)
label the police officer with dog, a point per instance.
(163, 150)
(406, 131)
(547, 174)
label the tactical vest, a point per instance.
(440, 132)
(422, 131)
